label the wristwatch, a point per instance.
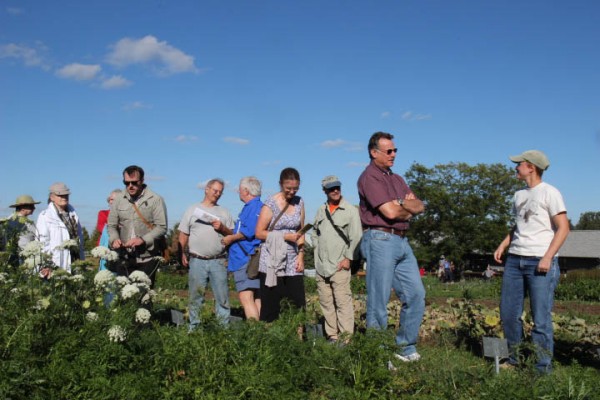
(400, 201)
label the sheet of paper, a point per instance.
(204, 215)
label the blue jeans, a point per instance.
(521, 277)
(391, 263)
(201, 272)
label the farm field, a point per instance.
(58, 340)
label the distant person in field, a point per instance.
(17, 230)
(335, 236)
(242, 243)
(137, 225)
(102, 227)
(386, 206)
(541, 227)
(58, 224)
(201, 231)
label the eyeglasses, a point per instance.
(134, 183)
(388, 151)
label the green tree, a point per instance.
(589, 220)
(468, 208)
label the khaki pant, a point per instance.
(335, 298)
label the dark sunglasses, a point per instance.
(333, 189)
(389, 151)
(134, 183)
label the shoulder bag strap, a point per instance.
(337, 228)
(144, 220)
(271, 226)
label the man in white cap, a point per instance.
(335, 237)
(532, 263)
(59, 228)
(18, 229)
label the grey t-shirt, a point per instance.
(204, 240)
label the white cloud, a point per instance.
(236, 140)
(385, 114)
(337, 143)
(115, 82)
(354, 164)
(186, 138)
(411, 116)
(29, 56)
(14, 11)
(79, 72)
(328, 144)
(135, 105)
(148, 50)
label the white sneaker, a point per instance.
(409, 358)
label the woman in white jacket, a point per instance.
(59, 223)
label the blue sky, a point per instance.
(192, 90)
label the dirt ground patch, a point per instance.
(560, 307)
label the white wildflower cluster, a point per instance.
(129, 291)
(122, 281)
(3, 277)
(117, 334)
(70, 244)
(148, 297)
(142, 316)
(105, 253)
(104, 279)
(15, 290)
(91, 316)
(140, 278)
(32, 249)
(77, 278)
(42, 304)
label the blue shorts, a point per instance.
(242, 282)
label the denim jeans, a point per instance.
(391, 263)
(201, 272)
(521, 277)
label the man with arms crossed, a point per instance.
(532, 262)
(386, 206)
(335, 236)
(137, 224)
(243, 243)
(201, 229)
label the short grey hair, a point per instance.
(252, 184)
(111, 193)
(215, 180)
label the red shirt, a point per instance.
(378, 186)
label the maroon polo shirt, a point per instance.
(377, 186)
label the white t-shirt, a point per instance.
(533, 209)
(196, 222)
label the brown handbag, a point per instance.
(253, 263)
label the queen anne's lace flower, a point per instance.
(142, 316)
(3, 277)
(91, 316)
(105, 253)
(103, 278)
(42, 304)
(122, 281)
(148, 297)
(32, 248)
(68, 245)
(77, 278)
(117, 334)
(129, 291)
(140, 277)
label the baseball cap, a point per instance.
(535, 157)
(330, 181)
(59, 189)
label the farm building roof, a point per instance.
(581, 244)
